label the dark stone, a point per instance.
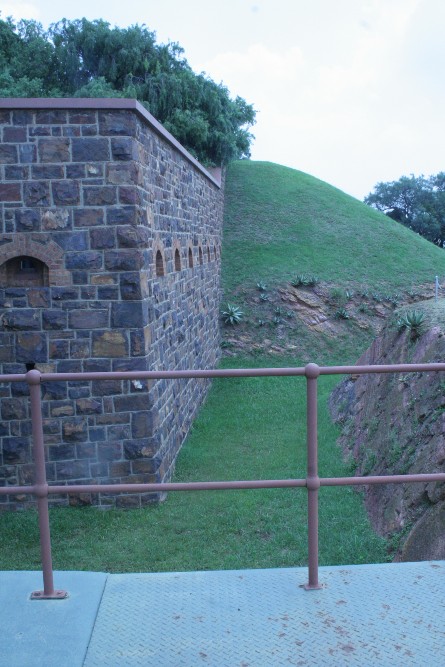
(124, 148)
(83, 260)
(88, 319)
(61, 452)
(90, 150)
(72, 240)
(133, 402)
(130, 286)
(117, 123)
(123, 215)
(133, 237)
(38, 297)
(54, 391)
(13, 408)
(72, 470)
(8, 154)
(66, 193)
(88, 217)
(47, 171)
(80, 349)
(110, 451)
(22, 117)
(54, 319)
(54, 150)
(88, 406)
(106, 387)
(36, 193)
(143, 424)
(58, 349)
(108, 293)
(99, 196)
(16, 450)
(81, 117)
(75, 429)
(21, 320)
(27, 220)
(64, 293)
(102, 238)
(14, 135)
(131, 314)
(31, 347)
(16, 173)
(10, 192)
(54, 117)
(123, 260)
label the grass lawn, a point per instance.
(259, 432)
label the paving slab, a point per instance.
(385, 614)
(47, 633)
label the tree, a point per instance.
(84, 58)
(416, 202)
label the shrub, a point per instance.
(232, 314)
(413, 321)
(303, 280)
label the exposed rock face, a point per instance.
(394, 424)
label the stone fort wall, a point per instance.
(110, 241)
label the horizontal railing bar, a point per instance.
(382, 479)
(229, 372)
(226, 485)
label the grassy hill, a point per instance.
(280, 224)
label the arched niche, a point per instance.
(24, 271)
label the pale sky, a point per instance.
(350, 91)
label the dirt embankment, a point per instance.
(395, 424)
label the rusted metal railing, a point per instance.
(41, 490)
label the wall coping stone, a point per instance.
(111, 104)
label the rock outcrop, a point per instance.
(394, 424)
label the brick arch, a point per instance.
(44, 249)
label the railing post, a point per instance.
(312, 371)
(41, 491)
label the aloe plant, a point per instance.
(232, 314)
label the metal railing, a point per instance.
(312, 482)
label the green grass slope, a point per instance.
(280, 222)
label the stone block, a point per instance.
(14, 135)
(13, 408)
(66, 193)
(88, 217)
(75, 429)
(52, 117)
(61, 452)
(131, 314)
(16, 450)
(143, 424)
(90, 150)
(102, 238)
(16, 172)
(133, 237)
(8, 154)
(88, 406)
(124, 148)
(123, 260)
(112, 123)
(54, 150)
(24, 319)
(38, 297)
(122, 215)
(88, 319)
(87, 260)
(28, 153)
(36, 193)
(103, 195)
(110, 344)
(124, 173)
(27, 220)
(61, 409)
(10, 192)
(54, 319)
(106, 387)
(132, 402)
(110, 451)
(72, 470)
(47, 171)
